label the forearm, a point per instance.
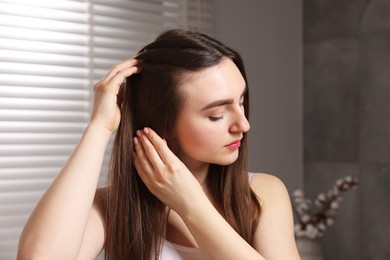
(59, 220)
(216, 238)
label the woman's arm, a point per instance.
(58, 222)
(274, 237)
(168, 178)
(216, 238)
(94, 235)
(56, 228)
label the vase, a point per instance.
(309, 249)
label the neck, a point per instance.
(199, 170)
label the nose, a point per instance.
(240, 123)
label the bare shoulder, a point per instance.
(100, 201)
(93, 240)
(99, 207)
(268, 187)
(274, 236)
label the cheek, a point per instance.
(193, 136)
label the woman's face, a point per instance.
(212, 121)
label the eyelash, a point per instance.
(215, 118)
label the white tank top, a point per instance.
(172, 251)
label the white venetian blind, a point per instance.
(44, 102)
(200, 16)
(51, 54)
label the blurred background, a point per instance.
(318, 79)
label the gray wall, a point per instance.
(347, 119)
(268, 35)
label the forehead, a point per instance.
(222, 81)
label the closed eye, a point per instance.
(215, 118)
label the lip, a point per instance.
(234, 145)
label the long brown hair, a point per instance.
(135, 219)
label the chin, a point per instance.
(226, 161)
(225, 164)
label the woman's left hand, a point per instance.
(171, 181)
(163, 173)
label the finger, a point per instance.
(123, 85)
(160, 145)
(119, 98)
(115, 84)
(143, 161)
(141, 173)
(119, 78)
(126, 64)
(150, 152)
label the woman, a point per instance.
(179, 186)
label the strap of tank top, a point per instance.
(250, 175)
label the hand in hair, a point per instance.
(170, 180)
(163, 173)
(66, 211)
(105, 112)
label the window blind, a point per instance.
(51, 54)
(200, 15)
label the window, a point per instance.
(51, 54)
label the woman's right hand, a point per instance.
(105, 111)
(164, 174)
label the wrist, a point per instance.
(98, 130)
(195, 207)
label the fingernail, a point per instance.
(138, 133)
(146, 130)
(135, 140)
(165, 141)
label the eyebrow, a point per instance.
(222, 102)
(218, 103)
